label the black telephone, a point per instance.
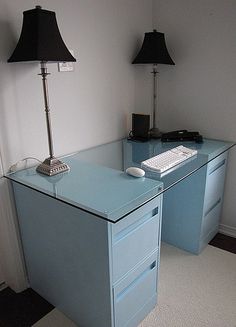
(181, 135)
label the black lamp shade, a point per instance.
(40, 39)
(153, 50)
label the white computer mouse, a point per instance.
(135, 171)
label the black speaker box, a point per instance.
(140, 127)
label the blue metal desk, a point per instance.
(91, 237)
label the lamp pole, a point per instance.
(154, 132)
(44, 74)
(51, 166)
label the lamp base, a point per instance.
(155, 133)
(52, 166)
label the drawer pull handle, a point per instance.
(213, 206)
(130, 229)
(136, 281)
(220, 164)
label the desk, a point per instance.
(91, 236)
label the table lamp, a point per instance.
(154, 51)
(41, 41)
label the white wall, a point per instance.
(90, 106)
(199, 93)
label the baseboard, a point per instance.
(227, 230)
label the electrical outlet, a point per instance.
(66, 66)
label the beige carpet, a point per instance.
(194, 291)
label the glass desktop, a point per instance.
(97, 181)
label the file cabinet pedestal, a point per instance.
(192, 208)
(98, 273)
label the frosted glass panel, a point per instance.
(97, 181)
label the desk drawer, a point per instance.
(135, 238)
(135, 291)
(215, 181)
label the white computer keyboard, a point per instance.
(168, 159)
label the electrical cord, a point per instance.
(19, 164)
